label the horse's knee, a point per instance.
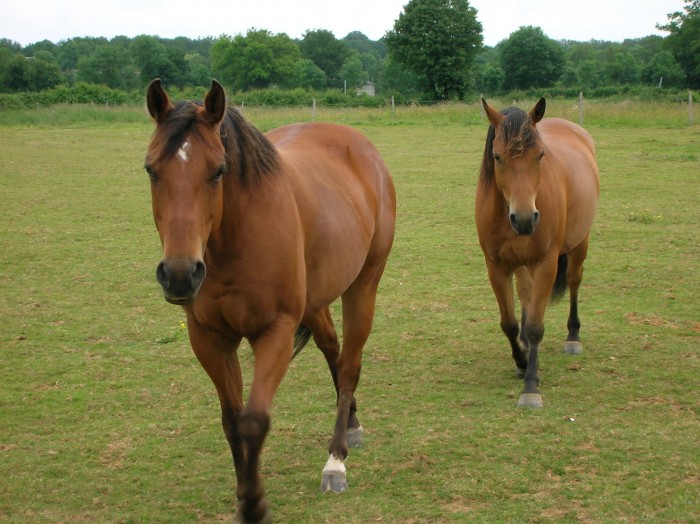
(510, 328)
(534, 332)
(253, 427)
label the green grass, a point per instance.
(105, 415)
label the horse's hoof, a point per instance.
(573, 347)
(519, 372)
(355, 437)
(240, 518)
(334, 482)
(530, 400)
(333, 478)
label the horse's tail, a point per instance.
(301, 338)
(559, 287)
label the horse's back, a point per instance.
(320, 150)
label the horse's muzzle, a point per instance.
(181, 280)
(525, 223)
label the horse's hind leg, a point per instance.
(574, 275)
(326, 338)
(358, 315)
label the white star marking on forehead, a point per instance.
(184, 151)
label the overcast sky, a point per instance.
(30, 21)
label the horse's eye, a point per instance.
(539, 157)
(218, 173)
(151, 173)
(497, 158)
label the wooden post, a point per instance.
(313, 110)
(393, 106)
(690, 107)
(580, 108)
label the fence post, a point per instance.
(690, 107)
(313, 110)
(393, 106)
(580, 108)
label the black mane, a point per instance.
(518, 135)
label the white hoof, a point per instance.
(333, 478)
(573, 347)
(355, 437)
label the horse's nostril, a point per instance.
(535, 217)
(200, 271)
(162, 275)
(513, 219)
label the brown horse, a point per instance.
(535, 203)
(260, 234)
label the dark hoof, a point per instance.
(355, 437)
(266, 517)
(573, 347)
(530, 400)
(333, 482)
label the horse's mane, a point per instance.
(518, 134)
(248, 152)
(243, 142)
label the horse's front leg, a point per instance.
(219, 358)
(543, 276)
(273, 351)
(502, 285)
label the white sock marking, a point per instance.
(334, 464)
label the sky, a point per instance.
(31, 21)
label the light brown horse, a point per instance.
(535, 203)
(260, 234)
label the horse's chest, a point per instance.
(516, 252)
(232, 315)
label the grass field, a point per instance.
(105, 415)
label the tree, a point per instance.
(328, 53)
(308, 75)
(530, 59)
(587, 74)
(438, 40)
(155, 59)
(622, 69)
(491, 79)
(353, 72)
(254, 61)
(684, 40)
(107, 66)
(44, 72)
(664, 70)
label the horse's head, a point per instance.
(514, 162)
(185, 162)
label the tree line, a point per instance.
(433, 52)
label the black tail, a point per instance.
(301, 337)
(559, 287)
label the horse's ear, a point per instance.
(492, 114)
(158, 101)
(537, 112)
(215, 103)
